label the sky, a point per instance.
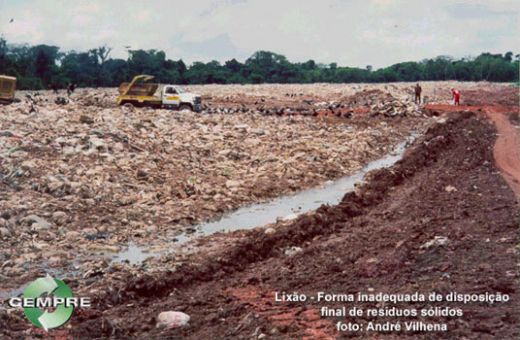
(350, 32)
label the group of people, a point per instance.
(455, 94)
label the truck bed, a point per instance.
(142, 89)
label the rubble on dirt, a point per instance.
(394, 107)
(98, 175)
(172, 319)
(435, 242)
(450, 188)
(342, 100)
(145, 175)
(370, 241)
(269, 231)
(374, 102)
(61, 101)
(292, 251)
(35, 222)
(377, 102)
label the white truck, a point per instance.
(140, 92)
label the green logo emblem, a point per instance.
(48, 293)
(50, 287)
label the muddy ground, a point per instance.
(442, 219)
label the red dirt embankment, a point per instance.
(502, 107)
(506, 117)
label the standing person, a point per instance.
(70, 89)
(456, 96)
(54, 88)
(418, 91)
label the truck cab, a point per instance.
(140, 92)
(7, 89)
(176, 97)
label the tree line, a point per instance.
(45, 66)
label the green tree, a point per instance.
(42, 65)
(44, 59)
(3, 55)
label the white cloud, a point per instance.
(354, 33)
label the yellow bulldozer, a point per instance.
(7, 89)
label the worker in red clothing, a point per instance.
(456, 96)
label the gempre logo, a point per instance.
(47, 292)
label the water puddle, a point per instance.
(289, 207)
(284, 208)
(134, 254)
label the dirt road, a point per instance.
(507, 146)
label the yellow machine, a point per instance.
(140, 92)
(7, 89)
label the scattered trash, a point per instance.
(172, 319)
(270, 231)
(292, 251)
(85, 171)
(450, 188)
(86, 119)
(36, 222)
(373, 101)
(290, 217)
(4, 232)
(435, 242)
(61, 101)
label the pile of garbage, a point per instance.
(343, 100)
(104, 98)
(374, 101)
(395, 107)
(97, 177)
(378, 102)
